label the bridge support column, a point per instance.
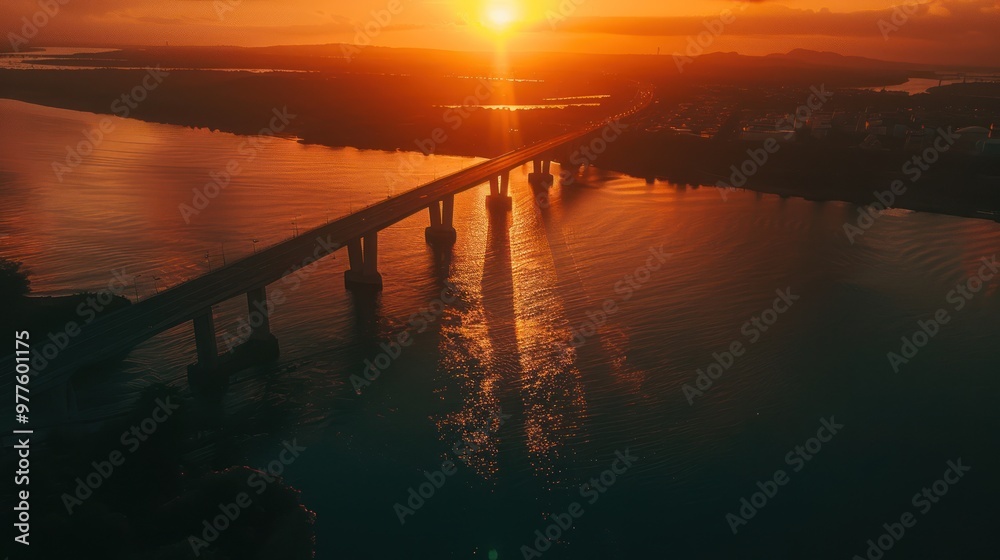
(363, 256)
(202, 373)
(252, 348)
(499, 199)
(442, 233)
(569, 172)
(541, 177)
(260, 314)
(262, 345)
(204, 339)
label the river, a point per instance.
(684, 271)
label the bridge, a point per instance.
(114, 335)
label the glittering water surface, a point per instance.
(669, 276)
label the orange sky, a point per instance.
(951, 31)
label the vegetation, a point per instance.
(14, 282)
(40, 314)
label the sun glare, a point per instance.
(501, 16)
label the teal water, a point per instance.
(523, 290)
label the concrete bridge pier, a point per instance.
(260, 314)
(262, 345)
(541, 176)
(212, 370)
(363, 255)
(202, 372)
(571, 174)
(441, 232)
(568, 169)
(499, 198)
(204, 339)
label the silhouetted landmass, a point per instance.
(154, 499)
(366, 111)
(391, 98)
(14, 281)
(836, 167)
(799, 66)
(44, 314)
(41, 314)
(956, 184)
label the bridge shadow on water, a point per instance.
(479, 356)
(604, 350)
(598, 347)
(576, 191)
(498, 298)
(367, 305)
(440, 263)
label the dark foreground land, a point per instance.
(152, 505)
(47, 314)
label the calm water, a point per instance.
(523, 288)
(914, 86)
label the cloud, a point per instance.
(938, 20)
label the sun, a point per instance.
(501, 16)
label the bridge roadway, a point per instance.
(114, 335)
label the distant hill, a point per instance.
(806, 58)
(800, 66)
(838, 60)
